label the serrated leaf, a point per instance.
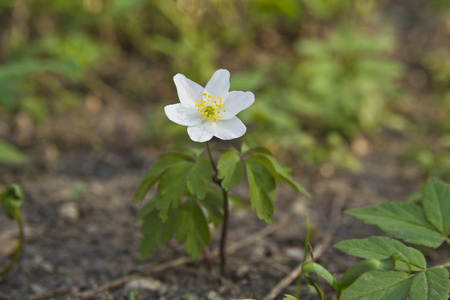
(147, 246)
(379, 285)
(285, 174)
(257, 150)
(237, 202)
(436, 204)
(213, 203)
(146, 209)
(380, 247)
(430, 285)
(171, 188)
(10, 154)
(312, 267)
(192, 228)
(262, 186)
(154, 174)
(150, 228)
(199, 177)
(230, 170)
(268, 164)
(168, 228)
(402, 220)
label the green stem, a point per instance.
(446, 265)
(447, 240)
(223, 238)
(305, 254)
(18, 249)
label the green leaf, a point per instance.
(199, 177)
(10, 200)
(262, 187)
(285, 174)
(244, 147)
(171, 188)
(275, 168)
(213, 203)
(230, 170)
(154, 174)
(312, 283)
(168, 228)
(195, 152)
(362, 267)
(153, 228)
(379, 285)
(436, 204)
(380, 247)
(146, 209)
(9, 154)
(257, 150)
(268, 164)
(289, 297)
(312, 267)
(431, 284)
(150, 228)
(237, 202)
(192, 228)
(402, 220)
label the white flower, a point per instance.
(209, 111)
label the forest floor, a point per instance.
(81, 240)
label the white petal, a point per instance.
(219, 84)
(230, 129)
(202, 132)
(182, 115)
(187, 90)
(236, 102)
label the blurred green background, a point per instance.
(332, 78)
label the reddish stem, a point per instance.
(223, 238)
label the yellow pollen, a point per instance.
(209, 108)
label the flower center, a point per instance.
(209, 107)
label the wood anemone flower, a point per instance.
(209, 111)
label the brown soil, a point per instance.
(81, 240)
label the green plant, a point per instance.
(193, 190)
(11, 200)
(390, 269)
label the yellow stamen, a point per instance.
(209, 108)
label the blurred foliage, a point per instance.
(9, 154)
(334, 90)
(324, 72)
